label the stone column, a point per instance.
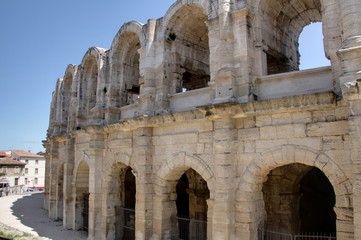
(224, 196)
(223, 75)
(350, 55)
(164, 210)
(148, 76)
(68, 179)
(244, 54)
(95, 186)
(142, 156)
(355, 148)
(350, 52)
(53, 178)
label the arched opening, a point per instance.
(125, 70)
(88, 88)
(59, 197)
(192, 194)
(311, 50)
(122, 195)
(282, 23)
(317, 203)
(66, 97)
(82, 197)
(188, 43)
(299, 199)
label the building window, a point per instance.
(26, 171)
(36, 171)
(4, 169)
(36, 181)
(36, 161)
(27, 161)
(26, 181)
(17, 170)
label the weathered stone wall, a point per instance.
(243, 139)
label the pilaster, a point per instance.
(223, 207)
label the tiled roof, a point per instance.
(2, 154)
(22, 153)
(8, 161)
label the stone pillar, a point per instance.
(142, 156)
(350, 52)
(224, 75)
(224, 196)
(68, 179)
(350, 55)
(95, 188)
(243, 54)
(164, 210)
(53, 178)
(355, 148)
(148, 76)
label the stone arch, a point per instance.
(125, 61)
(209, 7)
(134, 27)
(88, 82)
(115, 186)
(66, 95)
(81, 195)
(186, 42)
(172, 169)
(249, 191)
(278, 26)
(165, 188)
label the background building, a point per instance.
(34, 172)
(199, 125)
(11, 170)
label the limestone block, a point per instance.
(250, 146)
(309, 142)
(281, 118)
(301, 117)
(224, 134)
(205, 137)
(120, 143)
(333, 142)
(185, 138)
(327, 128)
(324, 115)
(249, 134)
(263, 145)
(263, 120)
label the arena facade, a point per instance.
(200, 125)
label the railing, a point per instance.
(269, 234)
(190, 100)
(192, 229)
(125, 223)
(314, 236)
(295, 83)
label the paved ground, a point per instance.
(26, 213)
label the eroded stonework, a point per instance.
(199, 125)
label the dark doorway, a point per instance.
(85, 212)
(192, 194)
(299, 199)
(316, 204)
(125, 213)
(183, 207)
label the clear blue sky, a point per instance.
(39, 38)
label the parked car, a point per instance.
(4, 189)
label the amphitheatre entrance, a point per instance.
(191, 202)
(299, 199)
